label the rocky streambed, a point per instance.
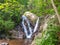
(12, 42)
(24, 33)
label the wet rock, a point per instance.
(4, 43)
(28, 41)
(17, 33)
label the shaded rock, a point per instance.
(28, 41)
(4, 43)
(17, 33)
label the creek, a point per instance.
(25, 33)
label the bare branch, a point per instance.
(55, 9)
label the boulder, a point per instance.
(17, 33)
(32, 17)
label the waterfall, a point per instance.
(36, 26)
(24, 18)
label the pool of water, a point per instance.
(17, 42)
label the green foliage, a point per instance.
(40, 7)
(1, 1)
(49, 36)
(10, 13)
(23, 2)
(6, 25)
(57, 3)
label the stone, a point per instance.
(32, 17)
(4, 43)
(17, 33)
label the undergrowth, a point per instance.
(49, 36)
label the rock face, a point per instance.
(32, 17)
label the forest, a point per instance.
(11, 12)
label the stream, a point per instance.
(24, 34)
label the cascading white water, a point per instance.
(36, 25)
(24, 18)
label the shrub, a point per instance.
(10, 13)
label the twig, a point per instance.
(55, 9)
